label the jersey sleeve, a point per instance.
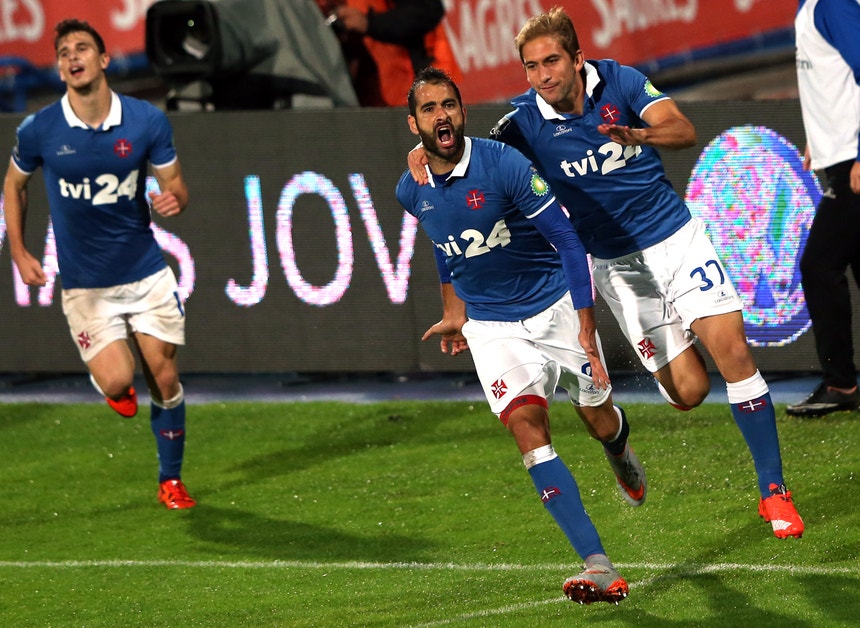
(557, 229)
(838, 22)
(25, 153)
(404, 193)
(163, 151)
(637, 89)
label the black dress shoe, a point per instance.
(824, 400)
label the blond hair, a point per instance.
(554, 23)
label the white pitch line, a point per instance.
(668, 569)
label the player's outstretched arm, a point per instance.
(667, 128)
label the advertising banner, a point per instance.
(294, 254)
(643, 33)
(27, 27)
(634, 32)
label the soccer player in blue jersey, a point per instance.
(828, 81)
(94, 147)
(591, 128)
(516, 291)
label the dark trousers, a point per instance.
(833, 246)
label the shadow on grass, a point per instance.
(832, 597)
(364, 430)
(720, 605)
(245, 534)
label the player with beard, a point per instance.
(516, 291)
(592, 128)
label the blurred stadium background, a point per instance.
(358, 299)
(711, 49)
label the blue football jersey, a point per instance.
(482, 218)
(96, 184)
(619, 197)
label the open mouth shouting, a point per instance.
(445, 135)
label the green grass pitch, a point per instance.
(411, 514)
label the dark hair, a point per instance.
(432, 76)
(77, 26)
(554, 23)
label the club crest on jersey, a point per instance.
(475, 199)
(609, 113)
(122, 148)
(652, 91)
(539, 186)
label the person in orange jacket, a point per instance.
(386, 42)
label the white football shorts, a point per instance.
(656, 294)
(99, 316)
(533, 357)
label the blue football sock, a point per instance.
(168, 426)
(752, 409)
(560, 496)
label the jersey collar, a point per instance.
(592, 80)
(114, 116)
(460, 169)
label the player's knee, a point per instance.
(167, 386)
(735, 360)
(693, 393)
(527, 419)
(689, 393)
(114, 385)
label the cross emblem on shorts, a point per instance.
(499, 388)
